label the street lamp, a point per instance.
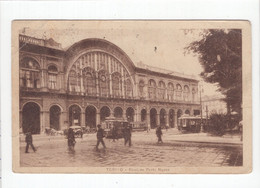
(201, 91)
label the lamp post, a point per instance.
(201, 91)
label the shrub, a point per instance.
(218, 124)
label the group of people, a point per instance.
(127, 134)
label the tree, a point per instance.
(220, 54)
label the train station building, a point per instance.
(94, 79)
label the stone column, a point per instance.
(62, 119)
(82, 119)
(44, 120)
(175, 118)
(97, 118)
(136, 118)
(158, 119)
(167, 119)
(148, 120)
(44, 80)
(124, 114)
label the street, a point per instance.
(52, 151)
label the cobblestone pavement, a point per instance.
(53, 152)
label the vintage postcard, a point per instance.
(131, 96)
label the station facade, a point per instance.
(94, 79)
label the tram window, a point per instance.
(192, 122)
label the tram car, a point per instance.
(192, 124)
(114, 124)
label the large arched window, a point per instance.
(141, 88)
(152, 89)
(29, 73)
(103, 83)
(128, 89)
(161, 90)
(178, 92)
(52, 75)
(186, 93)
(73, 81)
(89, 81)
(116, 84)
(170, 92)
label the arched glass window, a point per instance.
(186, 93)
(116, 84)
(103, 83)
(161, 90)
(178, 92)
(29, 73)
(52, 77)
(152, 89)
(141, 88)
(170, 92)
(89, 81)
(128, 89)
(72, 81)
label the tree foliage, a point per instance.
(220, 54)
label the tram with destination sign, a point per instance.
(187, 123)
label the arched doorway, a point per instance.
(90, 116)
(143, 115)
(74, 115)
(118, 112)
(162, 117)
(31, 118)
(55, 112)
(153, 114)
(171, 118)
(187, 112)
(104, 112)
(179, 113)
(130, 114)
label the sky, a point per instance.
(155, 43)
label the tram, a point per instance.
(187, 123)
(117, 123)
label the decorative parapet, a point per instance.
(50, 43)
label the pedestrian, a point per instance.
(100, 135)
(159, 134)
(71, 139)
(114, 133)
(127, 134)
(29, 142)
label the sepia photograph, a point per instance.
(131, 96)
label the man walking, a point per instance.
(100, 135)
(128, 134)
(29, 142)
(71, 139)
(159, 134)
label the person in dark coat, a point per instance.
(127, 134)
(114, 133)
(29, 142)
(159, 134)
(100, 135)
(71, 139)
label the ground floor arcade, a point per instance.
(38, 114)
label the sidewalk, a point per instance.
(177, 136)
(206, 138)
